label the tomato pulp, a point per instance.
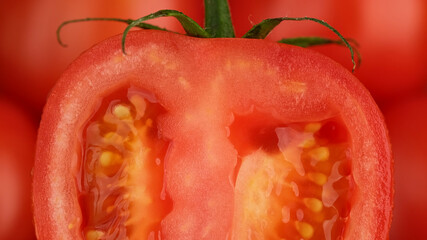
(187, 138)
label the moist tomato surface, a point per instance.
(186, 138)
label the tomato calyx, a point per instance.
(219, 25)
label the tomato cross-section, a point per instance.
(186, 138)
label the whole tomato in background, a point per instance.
(391, 33)
(17, 147)
(31, 60)
(406, 121)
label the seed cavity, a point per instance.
(122, 169)
(301, 201)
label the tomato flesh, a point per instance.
(296, 188)
(291, 180)
(122, 189)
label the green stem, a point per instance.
(218, 19)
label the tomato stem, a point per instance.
(218, 19)
(316, 41)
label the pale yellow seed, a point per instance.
(319, 154)
(110, 135)
(312, 127)
(113, 138)
(313, 204)
(94, 234)
(107, 158)
(305, 229)
(318, 178)
(121, 111)
(308, 143)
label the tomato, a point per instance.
(31, 60)
(391, 35)
(17, 147)
(406, 121)
(189, 138)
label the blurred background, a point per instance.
(392, 38)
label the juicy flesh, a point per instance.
(123, 194)
(291, 181)
(294, 186)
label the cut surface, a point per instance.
(291, 181)
(296, 185)
(122, 188)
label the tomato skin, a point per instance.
(222, 90)
(17, 147)
(31, 59)
(391, 35)
(406, 121)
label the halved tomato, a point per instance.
(187, 138)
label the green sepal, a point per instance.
(316, 41)
(309, 41)
(127, 21)
(190, 26)
(261, 30)
(218, 19)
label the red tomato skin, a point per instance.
(408, 134)
(17, 148)
(73, 100)
(391, 35)
(31, 59)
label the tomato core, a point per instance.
(122, 188)
(291, 180)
